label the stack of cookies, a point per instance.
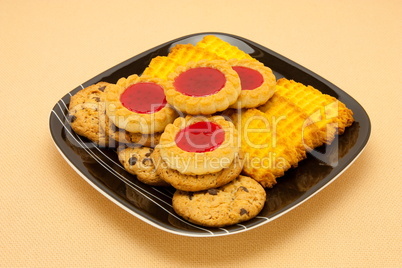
(212, 122)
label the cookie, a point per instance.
(238, 201)
(160, 67)
(257, 83)
(222, 48)
(138, 161)
(87, 113)
(138, 104)
(275, 141)
(198, 145)
(203, 87)
(123, 136)
(330, 115)
(185, 53)
(197, 182)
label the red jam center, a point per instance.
(143, 98)
(201, 81)
(200, 137)
(249, 78)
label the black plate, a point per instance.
(100, 166)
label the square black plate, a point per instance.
(101, 168)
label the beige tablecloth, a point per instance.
(51, 217)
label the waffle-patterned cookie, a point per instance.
(222, 49)
(184, 53)
(180, 55)
(274, 141)
(329, 114)
(160, 67)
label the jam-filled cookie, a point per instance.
(197, 145)
(87, 113)
(203, 87)
(138, 161)
(240, 200)
(138, 104)
(197, 182)
(257, 83)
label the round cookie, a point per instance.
(138, 104)
(257, 83)
(197, 182)
(203, 87)
(198, 145)
(138, 161)
(238, 201)
(87, 113)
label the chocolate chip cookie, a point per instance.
(138, 161)
(240, 200)
(87, 113)
(123, 136)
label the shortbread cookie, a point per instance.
(203, 87)
(138, 161)
(87, 113)
(138, 104)
(197, 145)
(238, 201)
(197, 182)
(257, 83)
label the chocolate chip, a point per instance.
(97, 99)
(243, 211)
(102, 88)
(147, 160)
(213, 191)
(243, 188)
(73, 118)
(132, 160)
(148, 154)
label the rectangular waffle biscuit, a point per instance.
(160, 67)
(183, 54)
(180, 54)
(275, 140)
(329, 114)
(222, 49)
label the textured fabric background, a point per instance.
(50, 217)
